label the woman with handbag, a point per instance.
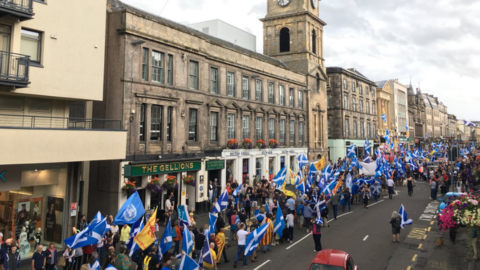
(51, 257)
(69, 254)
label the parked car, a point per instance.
(444, 201)
(332, 259)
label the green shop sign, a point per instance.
(215, 164)
(161, 168)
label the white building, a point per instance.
(227, 32)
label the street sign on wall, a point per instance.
(218, 164)
(161, 168)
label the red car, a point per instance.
(332, 259)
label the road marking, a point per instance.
(375, 203)
(420, 246)
(424, 237)
(408, 268)
(429, 228)
(340, 216)
(261, 265)
(431, 222)
(414, 257)
(365, 238)
(426, 217)
(416, 233)
(298, 241)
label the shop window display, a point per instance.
(230, 170)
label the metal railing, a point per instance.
(46, 122)
(18, 5)
(14, 66)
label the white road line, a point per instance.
(340, 216)
(375, 203)
(365, 238)
(261, 265)
(308, 234)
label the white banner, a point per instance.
(368, 168)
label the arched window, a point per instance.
(318, 83)
(314, 42)
(284, 40)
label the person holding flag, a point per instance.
(220, 239)
(317, 232)
(267, 238)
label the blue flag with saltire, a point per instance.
(166, 242)
(328, 190)
(355, 163)
(279, 179)
(187, 263)
(237, 219)
(302, 160)
(308, 183)
(342, 200)
(99, 230)
(301, 187)
(403, 215)
(384, 118)
(238, 190)
(253, 239)
(131, 211)
(212, 222)
(319, 219)
(279, 224)
(221, 203)
(469, 124)
(367, 159)
(327, 172)
(131, 244)
(183, 215)
(458, 165)
(367, 147)
(349, 181)
(312, 169)
(205, 254)
(187, 241)
(110, 267)
(351, 151)
(81, 239)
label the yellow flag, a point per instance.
(319, 165)
(147, 236)
(433, 152)
(285, 191)
(383, 110)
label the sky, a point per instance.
(433, 44)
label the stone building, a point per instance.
(452, 127)
(352, 111)
(385, 104)
(183, 94)
(416, 109)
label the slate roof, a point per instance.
(381, 84)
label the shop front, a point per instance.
(34, 205)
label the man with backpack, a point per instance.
(300, 209)
(396, 223)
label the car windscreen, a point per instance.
(317, 266)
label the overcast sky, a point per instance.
(436, 43)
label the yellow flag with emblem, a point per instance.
(147, 235)
(319, 165)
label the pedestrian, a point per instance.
(365, 195)
(125, 234)
(459, 186)
(242, 239)
(199, 240)
(376, 189)
(220, 239)
(307, 213)
(317, 234)
(300, 210)
(214, 258)
(396, 223)
(248, 206)
(267, 238)
(69, 255)
(356, 193)
(177, 238)
(243, 217)
(443, 189)
(12, 258)
(93, 263)
(233, 225)
(390, 185)
(150, 262)
(433, 189)
(253, 227)
(384, 187)
(324, 216)
(346, 200)
(51, 257)
(334, 201)
(122, 261)
(410, 186)
(289, 222)
(474, 243)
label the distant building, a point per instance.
(227, 32)
(416, 109)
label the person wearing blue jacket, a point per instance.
(12, 259)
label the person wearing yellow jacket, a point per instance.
(125, 234)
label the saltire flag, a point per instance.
(367, 159)
(319, 165)
(349, 181)
(309, 183)
(319, 206)
(131, 211)
(212, 222)
(350, 151)
(342, 200)
(392, 145)
(136, 228)
(81, 239)
(238, 190)
(319, 219)
(367, 147)
(183, 216)
(469, 124)
(279, 179)
(302, 160)
(253, 239)
(327, 171)
(188, 263)
(301, 187)
(279, 223)
(384, 118)
(458, 165)
(328, 190)
(166, 242)
(221, 203)
(403, 215)
(99, 230)
(187, 241)
(205, 254)
(146, 236)
(312, 169)
(355, 163)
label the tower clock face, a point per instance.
(314, 3)
(283, 2)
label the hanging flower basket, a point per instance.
(462, 211)
(154, 186)
(261, 144)
(232, 144)
(247, 143)
(273, 143)
(189, 180)
(129, 187)
(170, 183)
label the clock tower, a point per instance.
(293, 33)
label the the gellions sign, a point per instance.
(161, 168)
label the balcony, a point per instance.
(22, 9)
(30, 139)
(14, 69)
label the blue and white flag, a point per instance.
(188, 263)
(319, 219)
(81, 239)
(279, 179)
(351, 151)
(367, 147)
(183, 216)
(253, 239)
(205, 254)
(302, 160)
(212, 222)
(403, 215)
(469, 124)
(312, 169)
(367, 159)
(384, 118)
(166, 242)
(301, 187)
(426, 135)
(309, 183)
(110, 267)
(238, 190)
(99, 230)
(279, 224)
(221, 203)
(355, 163)
(349, 181)
(187, 241)
(327, 172)
(131, 211)
(458, 165)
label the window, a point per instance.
(230, 84)
(259, 127)
(361, 106)
(373, 92)
(170, 70)
(367, 90)
(290, 97)
(145, 64)
(347, 127)
(369, 134)
(368, 106)
(360, 89)
(282, 130)
(300, 99)
(373, 108)
(354, 129)
(271, 98)
(344, 84)
(282, 95)
(353, 87)
(271, 128)
(169, 124)
(230, 126)
(245, 126)
(76, 110)
(156, 123)
(328, 101)
(284, 40)
(354, 104)
(213, 126)
(214, 80)
(142, 122)
(31, 44)
(374, 129)
(245, 93)
(258, 90)
(362, 130)
(328, 127)
(157, 67)
(292, 131)
(193, 75)
(345, 102)
(192, 125)
(318, 83)
(300, 132)
(314, 42)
